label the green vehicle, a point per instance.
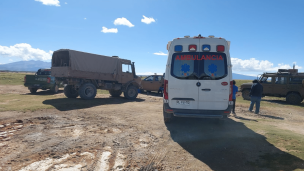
(41, 80)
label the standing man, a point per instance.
(255, 96)
(235, 89)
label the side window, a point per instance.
(266, 80)
(158, 78)
(295, 80)
(150, 78)
(280, 80)
(126, 68)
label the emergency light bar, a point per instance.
(178, 48)
(206, 48)
(220, 48)
(192, 48)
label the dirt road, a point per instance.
(118, 134)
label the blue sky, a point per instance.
(264, 35)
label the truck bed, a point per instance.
(66, 72)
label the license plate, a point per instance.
(36, 85)
(183, 102)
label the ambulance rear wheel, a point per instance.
(168, 117)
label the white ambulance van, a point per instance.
(198, 78)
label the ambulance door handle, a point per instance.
(206, 89)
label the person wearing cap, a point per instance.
(234, 91)
(255, 96)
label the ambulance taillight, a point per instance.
(220, 48)
(166, 89)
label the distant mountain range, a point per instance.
(25, 66)
(33, 66)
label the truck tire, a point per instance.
(245, 94)
(55, 89)
(87, 91)
(69, 92)
(131, 92)
(293, 98)
(33, 90)
(115, 93)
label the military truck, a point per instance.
(287, 83)
(41, 80)
(85, 72)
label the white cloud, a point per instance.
(160, 53)
(50, 2)
(147, 20)
(123, 21)
(254, 65)
(85, 18)
(66, 3)
(25, 52)
(111, 30)
(148, 73)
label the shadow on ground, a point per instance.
(43, 93)
(230, 146)
(152, 93)
(282, 102)
(66, 104)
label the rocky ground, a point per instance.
(119, 134)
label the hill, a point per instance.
(25, 65)
(35, 65)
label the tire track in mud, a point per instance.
(62, 143)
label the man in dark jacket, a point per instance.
(255, 96)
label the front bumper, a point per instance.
(192, 113)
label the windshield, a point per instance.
(44, 72)
(199, 65)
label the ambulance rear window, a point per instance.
(199, 65)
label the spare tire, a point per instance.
(131, 92)
(115, 93)
(70, 92)
(87, 91)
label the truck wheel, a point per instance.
(87, 91)
(115, 93)
(69, 92)
(167, 116)
(33, 90)
(245, 94)
(55, 89)
(131, 92)
(293, 98)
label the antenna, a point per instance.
(294, 65)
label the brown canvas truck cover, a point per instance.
(75, 64)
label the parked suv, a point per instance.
(284, 83)
(152, 83)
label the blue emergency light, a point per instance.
(206, 48)
(178, 48)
